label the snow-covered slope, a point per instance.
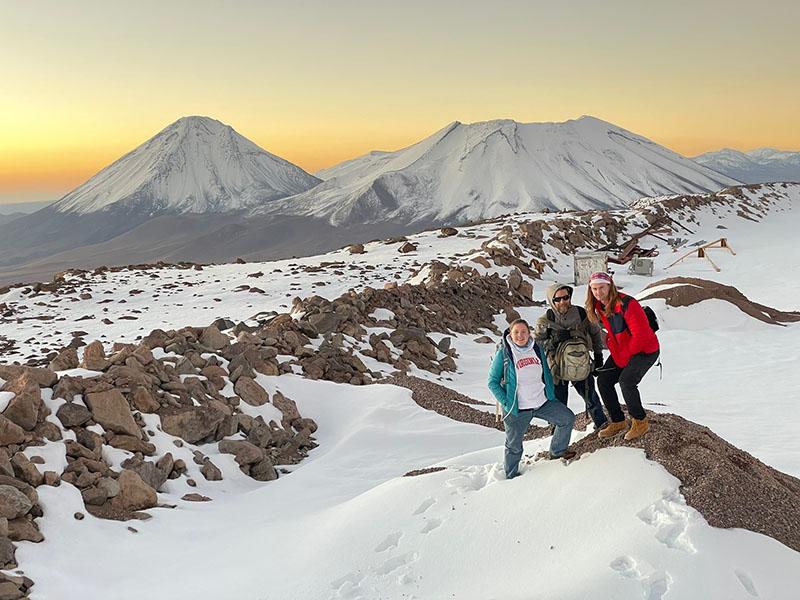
(756, 166)
(345, 523)
(473, 171)
(195, 165)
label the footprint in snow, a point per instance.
(396, 562)
(348, 586)
(625, 566)
(747, 582)
(426, 504)
(391, 541)
(430, 525)
(656, 585)
(670, 516)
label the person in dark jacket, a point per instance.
(634, 349)
(564, 321)
(520, 380)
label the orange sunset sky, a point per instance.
(316, 83)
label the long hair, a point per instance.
(608, 309)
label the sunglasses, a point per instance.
(557, 299)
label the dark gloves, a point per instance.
(561, 335)
(598, 361)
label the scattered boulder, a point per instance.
(213, 338)
(407, 247)
(245, 452)
(111, 410)
(134, 493)
(73, 415)
(26, 407)
(13, 503)
(94, 357)
(66, 359)
(250, 391)
(191, 424)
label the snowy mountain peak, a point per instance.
(480, 170)
(195, 165)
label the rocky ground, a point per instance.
(191, 383)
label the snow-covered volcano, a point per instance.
(195, 165)
(756, 166)
(481, 170)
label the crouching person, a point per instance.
(521, 382)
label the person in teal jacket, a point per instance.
(520, 380)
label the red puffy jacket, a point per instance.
(629, 332)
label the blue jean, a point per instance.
(587, 392)
(517, 425)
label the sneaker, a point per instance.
(638, 429)
(612, 429)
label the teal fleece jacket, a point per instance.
(504, 388)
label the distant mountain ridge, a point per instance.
(763, 165)
(476, 171)
(199, 189)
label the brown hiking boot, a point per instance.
(638, 428)
(612, 429)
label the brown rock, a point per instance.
(287, 407)
(52, 479)
(68, 387)
(194, 497)
(213, 338)
(407, 247)
(13, 503)
(24, 530)
(250, 391)
(94, 357)
(10, 591)
(42, 377)
(191, 424)
(7, 558)
(245, 452)
(73, 415)
(356, 249)
(66, 359)
(26, 470)
(6, 468)
(26, 407)
(143, 354)
(134, 493)
(166, 463)
(149, 472)
(111, 410)
(263, 471)
(210, 471)
(143, 400)
(94, 496)
(10, 433)
(132, 444)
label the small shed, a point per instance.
(586, 263)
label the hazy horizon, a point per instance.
(319, 83)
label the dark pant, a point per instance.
(628, 377)
(589, 395)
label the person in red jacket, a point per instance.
(634, 349)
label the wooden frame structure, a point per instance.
(701, 252)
